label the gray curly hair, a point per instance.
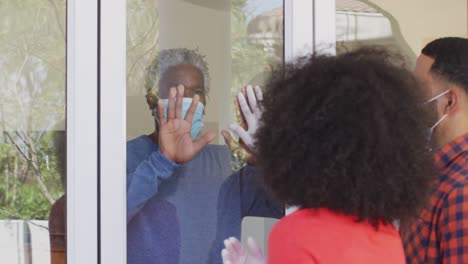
(170, 57)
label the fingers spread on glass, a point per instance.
(162, 118)
(235, 253)
(203, 141)
(244, 106)
(179, 101)
(243, 134)
(251, 113)
(172, 104)
(259, 93)
(192, 109)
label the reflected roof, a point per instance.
(354, 6)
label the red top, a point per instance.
(320, 236)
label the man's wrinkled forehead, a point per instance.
(185, 74)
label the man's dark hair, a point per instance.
(346, 133)
(450, 59)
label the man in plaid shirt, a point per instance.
(440, 233)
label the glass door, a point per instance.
(181, 210)
(48, 125)
(215, 49)
(33, 180)
(405, 28)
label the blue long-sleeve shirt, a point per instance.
(241, 195)
(190, 219)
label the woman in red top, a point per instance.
(342, 137)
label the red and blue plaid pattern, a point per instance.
(440, 234)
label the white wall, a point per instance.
(422, 21)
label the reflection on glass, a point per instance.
(361, 23)
(405, 28)
(257, 45)
(32, 110)
(181, 200)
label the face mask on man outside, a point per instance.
(430, 130)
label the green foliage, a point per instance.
(27, 205)
(20, 194)
(32, 82)
(248, 60)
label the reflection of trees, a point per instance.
(142, 42)
(32, 81)
(249, 59)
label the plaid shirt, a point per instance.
(440, 234)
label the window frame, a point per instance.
(96, 116)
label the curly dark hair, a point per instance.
(346, 133)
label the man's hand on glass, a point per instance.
(175, 140)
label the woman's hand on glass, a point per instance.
(235, 253)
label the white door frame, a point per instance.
(303, 33)
(113, 130)
(82, 141)
(309, 27)
(325, 26)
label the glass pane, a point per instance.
(406, 28)
(32, 125)
(180, 211)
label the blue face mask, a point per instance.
(197, 122)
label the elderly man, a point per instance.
(174, 176)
